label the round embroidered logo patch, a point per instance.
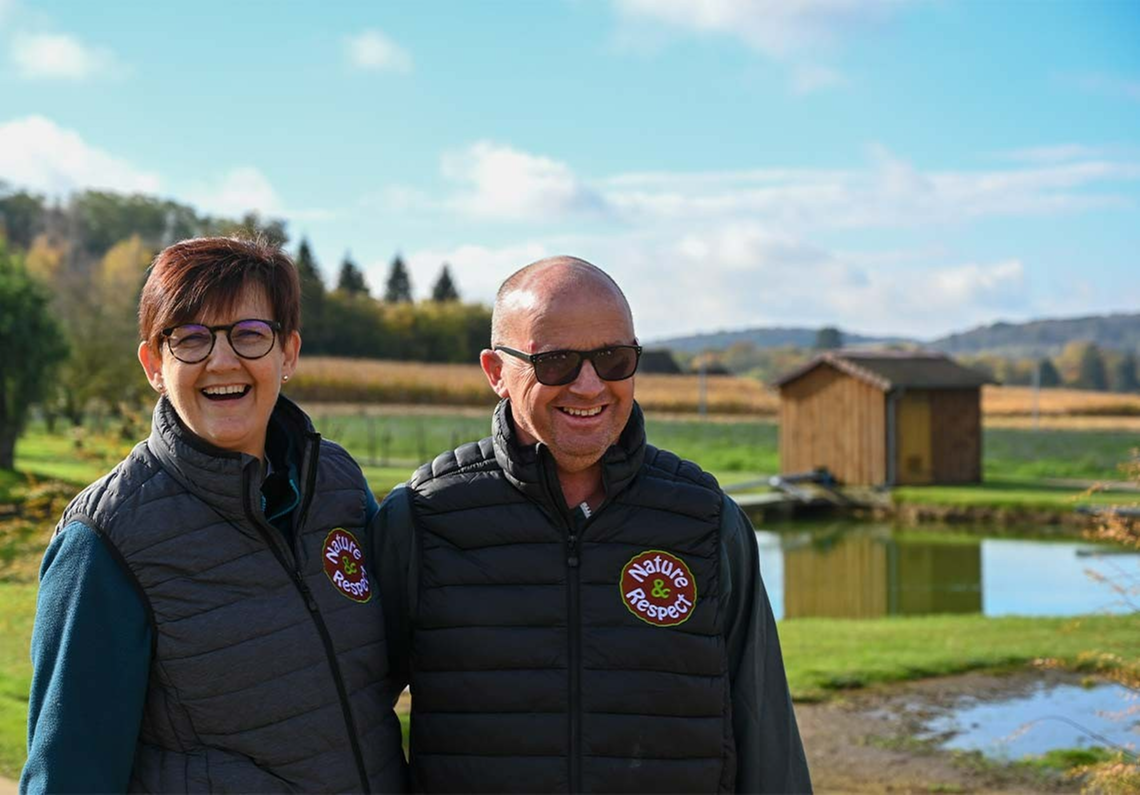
(344, 565)
(658, 588)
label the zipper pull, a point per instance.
(572, 559)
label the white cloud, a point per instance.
(778, 29)
(504, 183)
(811, 79)
(995, 284)
(371, 50)
(239, 191)
(891, 192)
(497, 182)
(59, 56)
(37, 154)
(746, 274)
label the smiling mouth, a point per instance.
(220, 393)
(591, 412)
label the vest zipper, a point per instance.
(273, 538)
(573, 628)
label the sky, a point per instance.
(907, 167)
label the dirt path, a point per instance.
(7, 787)
(866, 741)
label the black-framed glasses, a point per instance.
(250, 339)
(558, 368)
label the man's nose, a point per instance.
(587, 382)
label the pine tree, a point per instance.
(444, 288)
(1091, 374)
(351, 279)
(312, 299)
(1048, 375)
(399, 285)
(1124, 374)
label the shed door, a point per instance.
(915, 461)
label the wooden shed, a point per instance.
(883, 417)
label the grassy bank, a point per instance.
(824, 656)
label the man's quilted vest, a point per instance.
(532, 668)
(266, 674)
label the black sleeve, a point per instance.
(392, 540)
(769, 753)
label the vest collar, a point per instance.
(531, 468)
(228, 481)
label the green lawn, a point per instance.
(824, 655)
(17, 606)
(1011, 493)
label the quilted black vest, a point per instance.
(541, 661)
(268, 671)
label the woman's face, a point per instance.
(226, 399)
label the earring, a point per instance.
(284, 378)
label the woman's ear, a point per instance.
(151, 361)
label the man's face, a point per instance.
(578, 421)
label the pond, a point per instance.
(1046, 717)
(864, 570)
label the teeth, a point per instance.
(583, 412)
(224, 390)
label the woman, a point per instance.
(206, 619)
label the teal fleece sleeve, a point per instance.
(91, 648)
(769, 753)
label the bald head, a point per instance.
(545, 284)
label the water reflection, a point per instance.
(1048, 717)
(864, 571)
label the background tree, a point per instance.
(444, 288)
(398, 288)
(21, 217)
(312, 299)
(1048, 374)
(31, 344)
(1124, 374)
(351, 278)
(828, 338)
(1091, 374)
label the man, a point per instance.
(579, 611)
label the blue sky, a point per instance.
(891, 166)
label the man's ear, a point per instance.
(151, 362)
(492, 364)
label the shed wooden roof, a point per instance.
(889, 370)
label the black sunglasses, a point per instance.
(558, 368)
(250, 339)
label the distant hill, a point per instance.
(1011, 340)
(1044, 337)
(778, 337)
